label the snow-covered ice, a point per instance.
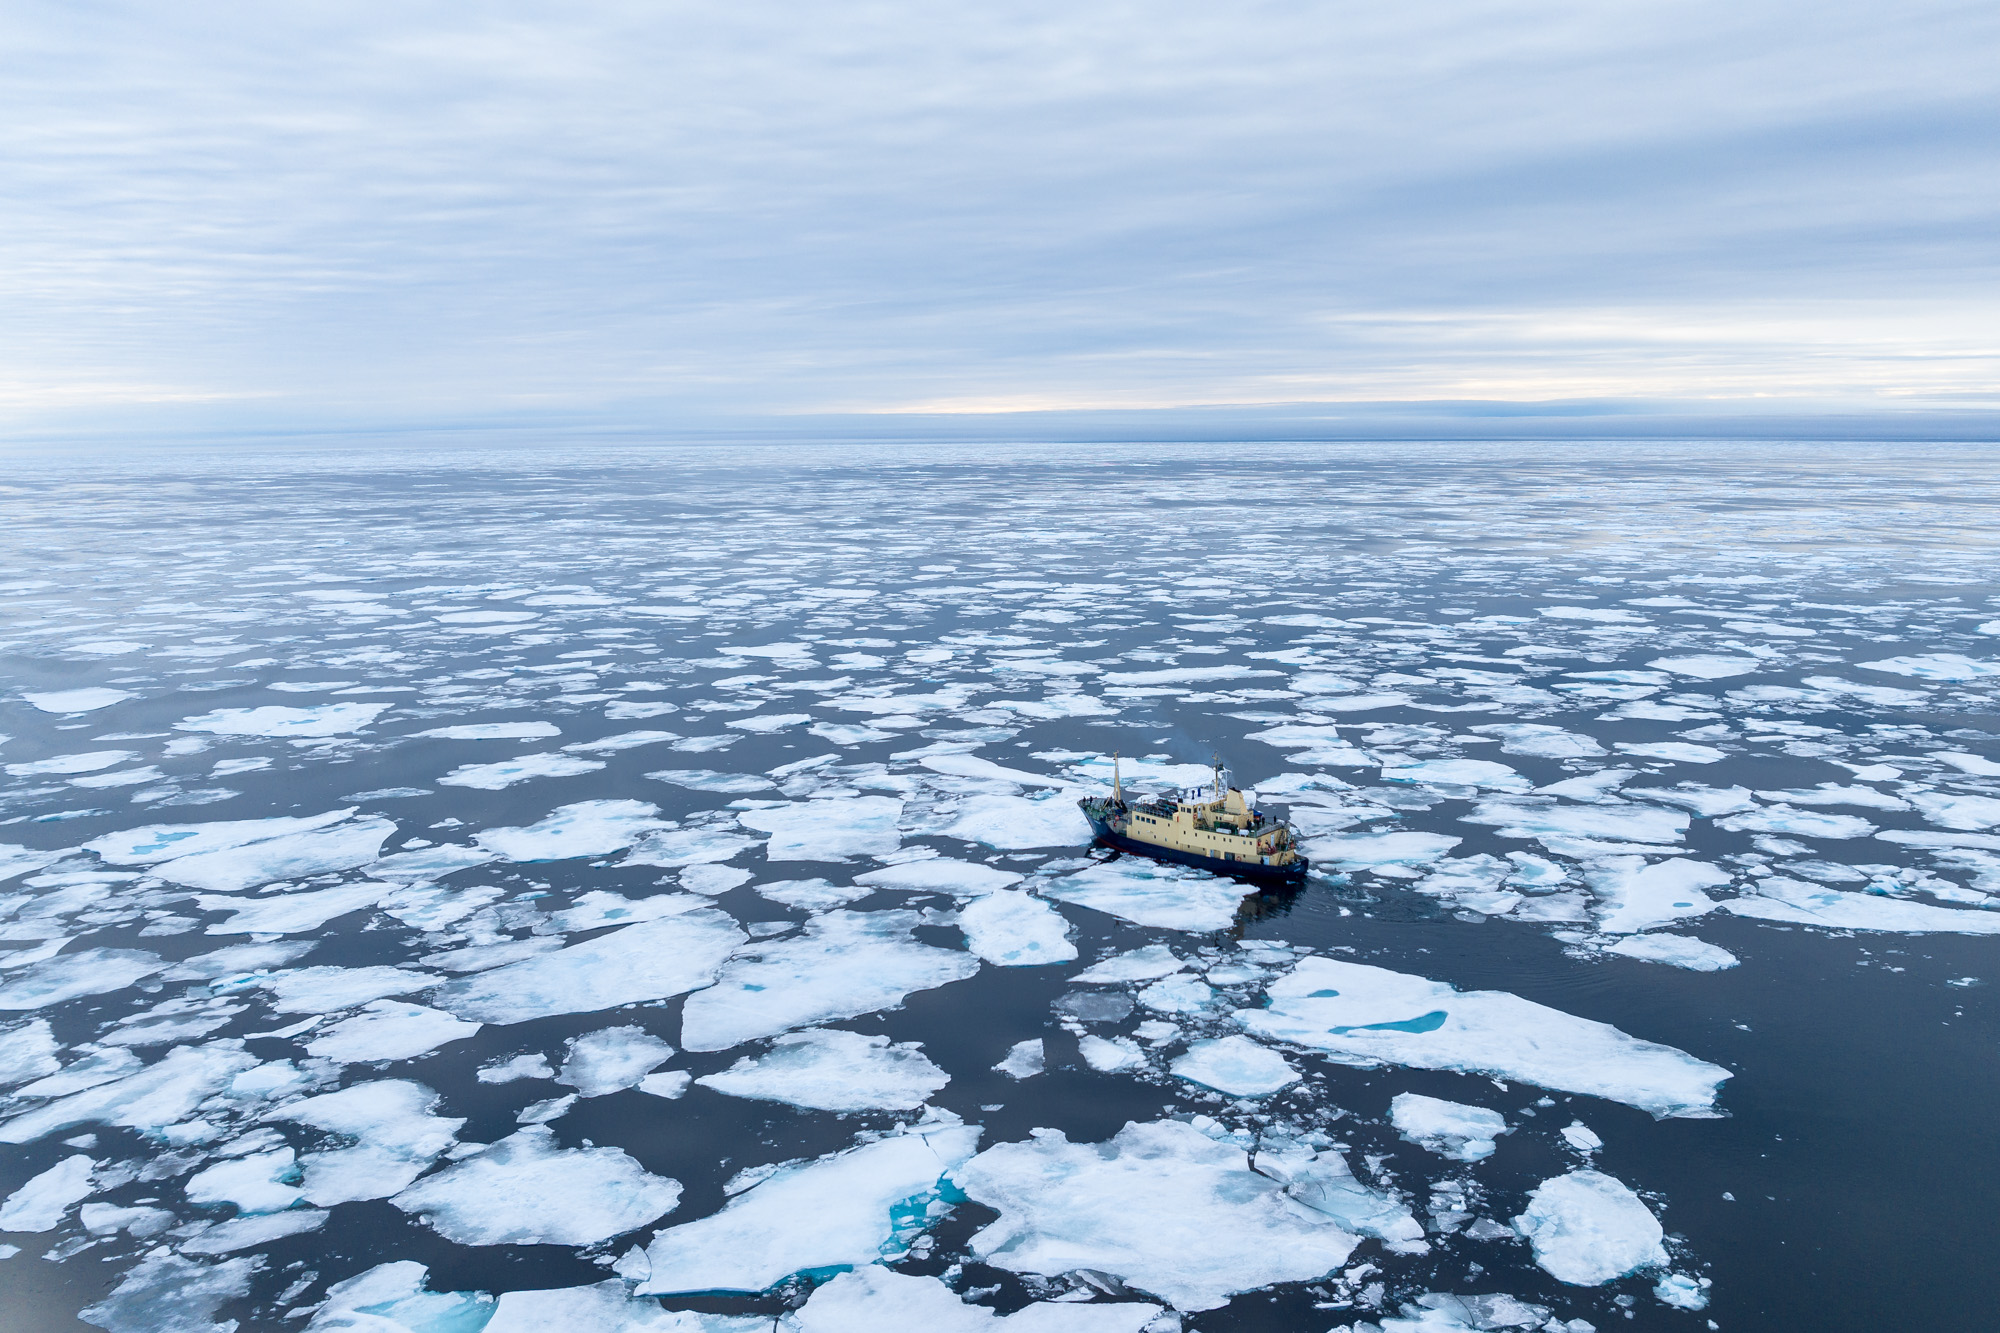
(1588, 1228)
(388, 1030)
(492, 731)
(1450, 1129)
(1370, 1015)
(87, 700)
(505, 773)
(1152, 893)
(161, 1094)
(1675, 951)
(1635, 896)
(873, 1299)
(828, 830)
(396, 1133)
(1160, 1206)
(1024, 1059)
(1795, 901)
(940, 874)
(585, 828)
(829, 1070)
(1010, 928)
(1019, 823)
(40, 1203)
(68, 976)
(1235, 1065)
(609, 1059)
(845, 964)
(316, 722)
(648, 961)
(524, 1190)
(850, 1208)
(1148, 963)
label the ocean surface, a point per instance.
(448, 887)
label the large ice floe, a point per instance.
(1010, 928)
(312, 723)
(828, 830)
(1799, 903)
(829, 1070)
(855, 1207)
(1367, 1015)
(1151, 893)
(1588, 1228)
(586, 828)
(1162, 1207)
(648, 961)
(845, 964)
(524, 1190)
(235, 855)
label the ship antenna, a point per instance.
(1117, 782)
(1216, 762)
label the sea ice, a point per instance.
(66, 764)
(1674, 950)
(1368, 1015)
(1152, 893)
(68, 976)
(845, 964)
(586, 828)
(287, 856)
(429, 863)
(1235, 1065)
(849, 1208)
(39, 1204)
(830, 1070)
(1783, 818)
(1588, 1228)
(1323, 1182)
(291, 913)
(1010, 928)
(532, 1065)
(1367, 851)
(1540, 741)
(1019, 823)
(648, 961)
(1025, 1059)
(1791, 900)
(940, 874)
(1482, 773)
(828, 830)
(713, 880)
(707, 779)
(159, 1095)
(872, 1299)
(493, 731)
(1450, 1129)
(694, 846)
(319, 990)
(602, 1307)
(524, 1190)
(1707, 667)
(258, 1183)
(27, 1052)
(506, 772)
(1705, 801)
(612, 1058)
(388, 1030)
(396, 1137)
(1179, 995)
(165, 1293)
(1957, 811)
(390, 1298)
(1519, 817)
(1110, 1055)
(1161, 1206)
(1149, 963)
(1633, 896)
(317, 721)
(76, 701)
(1679, 752)
(1934, 666)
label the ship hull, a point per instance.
(1291, 875)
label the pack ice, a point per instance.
(851, 1208)
(648, 961)
(1161, 1206)
(1367, 1015)
(845, 964)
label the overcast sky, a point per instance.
(308, 213)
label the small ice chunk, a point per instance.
(844, 964)
(873, 1299)
(506, 772)
(812, 895)
(671, 1084)
(1143, 964)
(940, 874)
(1370, 1015)
(846, 1209)
(1237, 1066)
(1450, 1129)
(585, 828)
(165, 1293)
(1581, 1137)
(388, 1030)
(535, 1065)
(1009, 928)
(649, 961)
(524, 1190)
(541, 1112)
(1682, 1291)
(1109, 1055)
(1162, 1207)
(1151, 893)
(609, 1059)
(713, 880)
(1588, 1228)
(318, 721)
(68, 976)
(1675, 951)
(831, 1070)
(76, 701)
(1025, 1059)
(1179, 995)
(39, 1204)
(831, 829)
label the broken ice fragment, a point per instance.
(388, 1030)
(397, 1137)
(39, 1204)
(1235, 1065)
(649, 961)
(873, 1299)
(1588, 1228)
(305, 723)
(1635, 896)
(828, 830)
(1800, 903)
(1675, 951)
(1025, 1059)
(1144, 964)
(612, 1058)
(1149, 893)
(1450, 1129)
(831, 1070)
(585, 828)
(524, 1190)
(1010, 928)
(390, 1298)
(69, 976)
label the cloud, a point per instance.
(320, 212)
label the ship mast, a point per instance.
(1117, 782)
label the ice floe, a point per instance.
(291, 913)
(873, 1299)
(1019, 823)
(343, 846)
(1781, 899)
(1783, 818)
(1707, 666)
(1675, 951)
(147, 1100)
(1935, 666)
(1235, 1065)
(492, 731)
(604, 1307)
(316, 722)
(850, 1208)
(609, 1059)
(1371, 851)
(1483, 773)
(1024, 1059)
(396, 1134)
(165, 1293)
(1370, 1015)
(506, 772)
(70, 976)
(1540, 741)
(1635, 896)
(27, 1052)
(1162, 1207)
(87, 700)
(630, 965)
(1149, 963)
(586, 828)
(940, 874)
(388, 1030)
(845, 964)
(40, 1203)
(1010, 928)
(390, 1298)
(524, 1190)
(1450, 1129)
(830, 1070)
(1152, 893)
(828, 830)
(1588, 1228)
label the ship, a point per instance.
(1216, 828)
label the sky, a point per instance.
(313, 215)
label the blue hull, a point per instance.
(1285, 876)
